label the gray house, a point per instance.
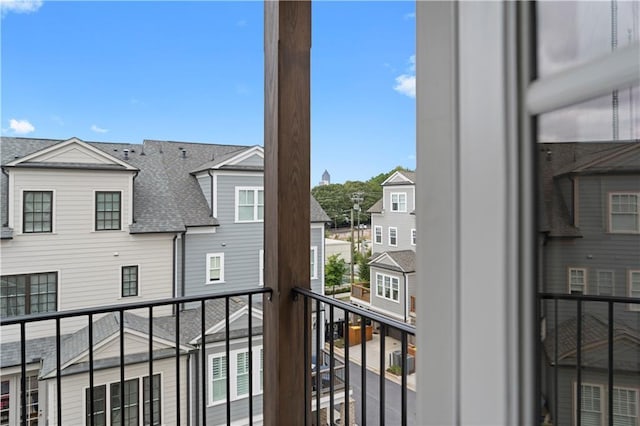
(590, 236)
(393, 237)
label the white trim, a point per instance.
(232, 368)
(61, 145)
(413, 236)
(54, 214)
(389, 236)
(399, 194)
(613, 281)
(261, 268)
(584, 282)
(632, 306)
(130, 213)
(242, 156)
(395, 174)
(11, 199)
(617, 70)
(375, 230)
(198, 230)
(256, 190)
(391, 278)
(610, 212)
(314, 269)
(220, 325)
(575, 402)
(215, 194)
(379, 257)
(208, 257)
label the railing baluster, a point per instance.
(23, 372)
(150, 368)
(578, 365)
(203, 359)
(382, 373)
(610, 363)
(91, 396)
(58, 375)
(250, 326)
(177, 336)
(403, 388)
(318, 361)
(307, 361)
(227, 337)
(331, 368)
(347, 399)
(555, 362)
(363, 368)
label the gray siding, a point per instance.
(403, 221)
(386, 306)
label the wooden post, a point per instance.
(287, 215)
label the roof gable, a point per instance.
(399, 178)
(72, 151)
(237, 321)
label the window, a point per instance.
(4, 402)
(37, 211)
(378, 234)
(314, 263)
(215, 268)
(605, 283)
(129, 281)
(412, 304)
(32, 401)
(634, 288)
(624, 215)
(387, 287)
(28, 294)
(594, 405)
(238, 370)
(152, 398)
(99, 405)
(413, 237)
(108, 209)
(108, 403)
(577, 281)
(131, 407)
(398, 202)
(393, 236)
(591, 405)
(218, 391)
(249, 204)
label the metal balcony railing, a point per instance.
(586, 357)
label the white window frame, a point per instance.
(208, 266)
(398, 196)
(611, 213)
(413, 237)
(375, 234)
(256, 190)
(232, 366)
(604, 398)
(381, 289)
(612, 274)
(577, 403)
(314, 262)
(107, 393)
(395, 230)
(261, 268)
(584, 281)
(631, 291)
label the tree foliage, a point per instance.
(364, 275)
(335, 198)
(335, 268)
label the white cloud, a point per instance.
(98, 129)
(21, 127)
(411, 15)
(19, 6)
(406, 83)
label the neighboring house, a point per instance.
(590, 223)
(94, 224)
(393, 243)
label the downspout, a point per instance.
(189, 384)
(8, 197)
(211, 195)
(175, 269)
(133, 199)
(196, 390)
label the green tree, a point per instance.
(334, 270)
(363, 266)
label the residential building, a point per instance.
(590, 236)
(393, 235)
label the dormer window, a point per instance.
(37, 212)
(399, 202)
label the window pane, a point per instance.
(242, 373)
(219, 378)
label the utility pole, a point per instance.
(351, 245)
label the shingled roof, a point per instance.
(404, 260)
(167, 196)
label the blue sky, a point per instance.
(193, 71)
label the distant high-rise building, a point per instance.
(326, 178)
